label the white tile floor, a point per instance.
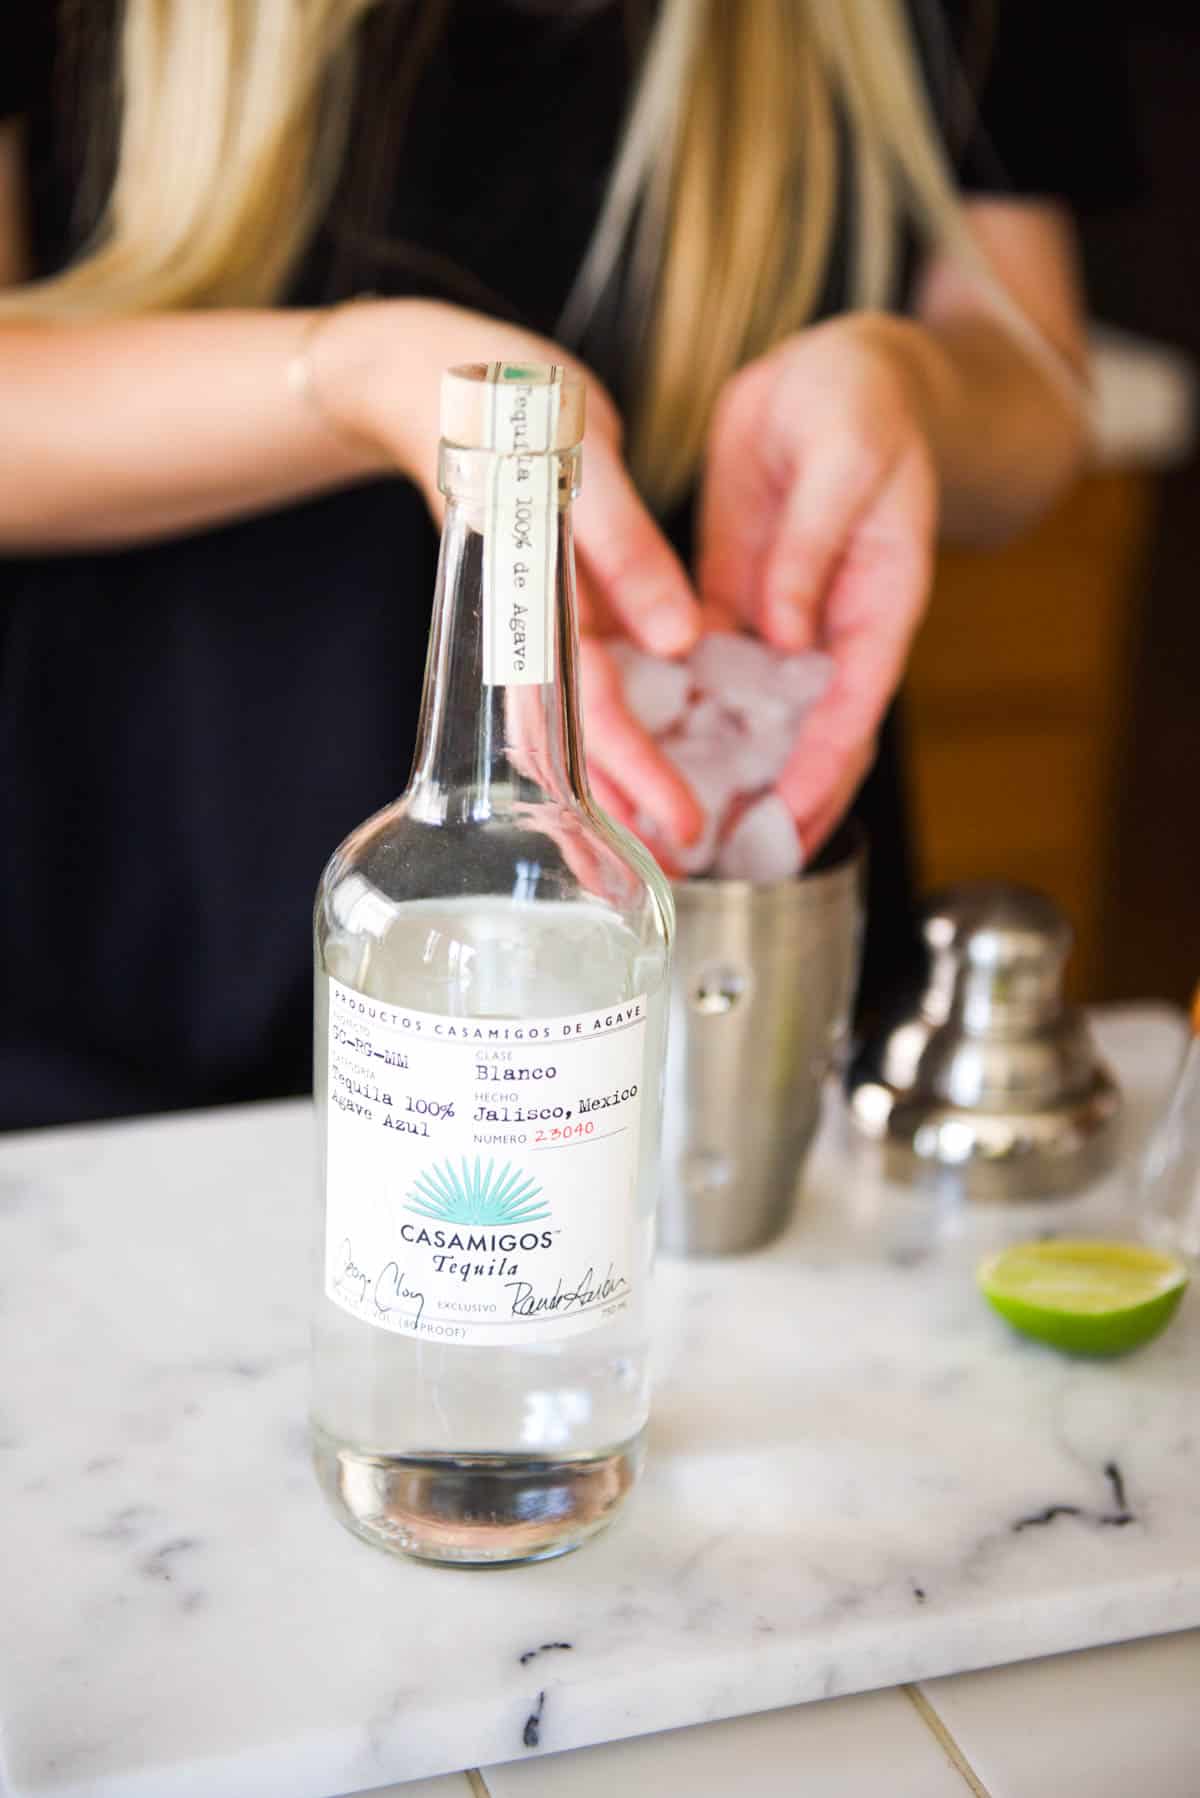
(845, 1748)
(1121, 1722)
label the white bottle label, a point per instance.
(520, 541)
(481, 1173)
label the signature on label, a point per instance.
(579, 1296)
(389, 1289)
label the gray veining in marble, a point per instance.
(858, 1477)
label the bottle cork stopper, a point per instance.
(514, 407)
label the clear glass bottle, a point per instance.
(491, 968)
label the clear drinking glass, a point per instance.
(1168, 1194)
(491, 968)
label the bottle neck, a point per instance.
(499, 729)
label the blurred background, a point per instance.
(1052, 729)
(1075, 767)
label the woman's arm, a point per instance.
(835, 459)
(122, 431)
(118, 431)
(115, 432)
(1007, 432)
(126, 430)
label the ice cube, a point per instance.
(762, 844)
(706, 721)
(739, 673)
(656, 691)
(760, 754)
(707, 769)
(706, 766)
(734, 668)
(801, 680)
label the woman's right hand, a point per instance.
(376, 367)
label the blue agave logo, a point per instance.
(483, 1194)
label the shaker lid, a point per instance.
(990, 1074)
(513, 406)
(997, 924)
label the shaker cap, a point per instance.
(997, 924)
(535, 407)
(992, 1075)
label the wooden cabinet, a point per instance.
(1018, 696)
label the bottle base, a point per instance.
(485, 1510)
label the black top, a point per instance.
(191, 726)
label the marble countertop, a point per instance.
(858, 1478)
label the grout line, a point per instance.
(945, 1740)
(476, 1782)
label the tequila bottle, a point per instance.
(491, 968)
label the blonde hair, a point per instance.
(724, 190)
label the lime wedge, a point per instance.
(1089, 1298)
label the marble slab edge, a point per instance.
(561, 1711)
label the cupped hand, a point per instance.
(818, 522)
(385, 367)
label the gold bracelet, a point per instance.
(301, 380)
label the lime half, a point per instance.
(1089, 1298)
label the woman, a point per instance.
(814, 276)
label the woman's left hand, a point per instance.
(818, 523)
